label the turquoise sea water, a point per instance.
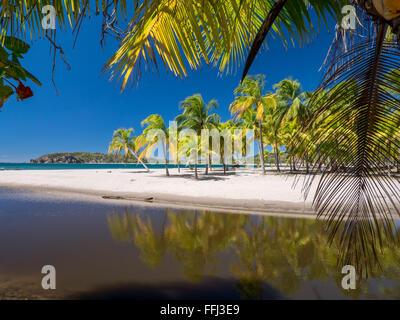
(69, 166)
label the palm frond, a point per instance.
(186, 34)
(262, 34)
(24, 18)
(356, 191)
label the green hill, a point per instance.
(81, 157)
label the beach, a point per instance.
(243, 190)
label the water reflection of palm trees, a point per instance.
(128, 227)
(282, 252)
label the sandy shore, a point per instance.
(242, 191)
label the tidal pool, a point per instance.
(112, 251)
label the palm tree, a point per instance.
(275, 137)
(247, 121)
(180, 145)
(196, 116)
(214, 32)
(227, 126)
(289, 132)
(123, 141)
(292, 101)
(272, 132)
(154, 133)
(190, 149)
(68, 12)
(249, 95)
(291, 106)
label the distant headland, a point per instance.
(81, 157)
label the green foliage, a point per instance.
(24, 18)
(285, 253)
(16, 45)
(150, 138)
(5, 92)
(122, 141)
(251, 105)
(189, 33)
(86, 157)
(196, 114)
(11, 51)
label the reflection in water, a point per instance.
(152, 253)
(264, 252)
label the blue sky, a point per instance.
(89, 107)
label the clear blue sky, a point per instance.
(89, 107)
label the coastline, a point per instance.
(240, 191)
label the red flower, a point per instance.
(24, 92)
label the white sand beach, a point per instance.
(242, 190)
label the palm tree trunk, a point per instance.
(292, 160)
(166, 169)
(195, 170)
(277, 155)
(261, 147)
(179, 167)
(398, 162)
(166, 159)
(389, 165)
(141, 162)
(307, 166)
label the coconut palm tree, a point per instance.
(154, 133)
(247, 121)
(213, 32)
(272, 131)
(292, 105)
(274, 137)
(289, 132)
(227, 126)
(190, 149)
(123, 141)
(249, 95)
(292, 101)
(197, 116)
(68, 12)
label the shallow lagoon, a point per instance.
(110, 251)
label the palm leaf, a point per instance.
(24, 18)
(353, 107)
(262, 33)
(186, 34)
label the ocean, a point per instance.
(73, 166)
